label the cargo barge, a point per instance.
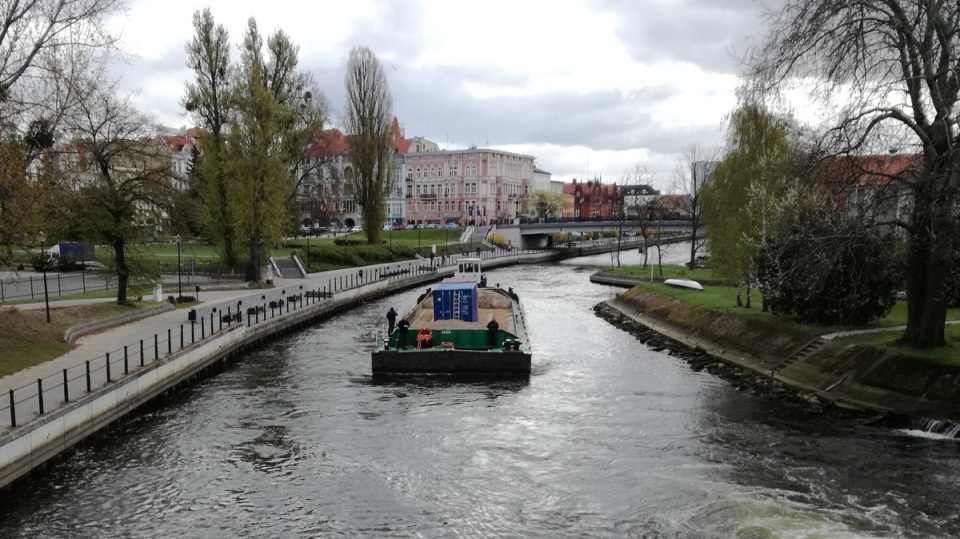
(462, 326)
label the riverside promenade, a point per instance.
(49, 408)
(157, 325)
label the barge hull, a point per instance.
(451, 362)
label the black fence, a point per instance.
(82, 282)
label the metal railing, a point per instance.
(82, 282)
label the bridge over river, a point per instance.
(537, 235)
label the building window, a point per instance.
(418, 173)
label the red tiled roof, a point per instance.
(177, 143)
(869, 169)
(402, 144)
(327, 142)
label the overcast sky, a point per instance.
(588, 87)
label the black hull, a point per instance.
(451, 362)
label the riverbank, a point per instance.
(793, 364)
(54, 406)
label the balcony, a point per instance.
(428, 195)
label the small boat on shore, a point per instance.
(683, 283)
(460, 327)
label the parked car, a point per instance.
(399, 227)
(452, 225)
(433, 225)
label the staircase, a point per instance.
(289, 269)
(808, 349)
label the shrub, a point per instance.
(66, 263)
(829, 269)
(41, 262)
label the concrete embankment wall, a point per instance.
(32, 445)
(846, 374)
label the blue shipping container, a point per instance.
(455, 301)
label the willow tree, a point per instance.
(895, 67)
(739, 201)
(369, 138)
(207, 100)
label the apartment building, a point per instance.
(472, 186)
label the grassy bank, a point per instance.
(724, 299)
(27, 339)
(327, 253)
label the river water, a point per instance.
(604, 439)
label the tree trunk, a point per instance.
(123, 272)
(928, 258)
(694, 225)
(927, 264)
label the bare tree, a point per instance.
(121, 188)
(638, 207)
(46, 46)
(369, 114)
(693, 170)
(34, 30)
(896, 66)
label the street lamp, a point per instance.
(179, 279)
(308, 254)
(46, 296)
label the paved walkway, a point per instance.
(94, 347)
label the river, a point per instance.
(604, 439)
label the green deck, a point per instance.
(462, 339)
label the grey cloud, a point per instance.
(707, 33)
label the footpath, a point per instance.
(160, 325)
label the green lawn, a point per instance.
(724, 299)
(132, 293)
(443, 239)
(665, 272)
(946, 355)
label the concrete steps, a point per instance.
(803, 352)
(289, 268)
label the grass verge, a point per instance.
(723, 299)
(27, 339)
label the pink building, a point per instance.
(473, 186)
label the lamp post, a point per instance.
(179, 278)
(308, 254)
(418, 239)
(46, 296)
